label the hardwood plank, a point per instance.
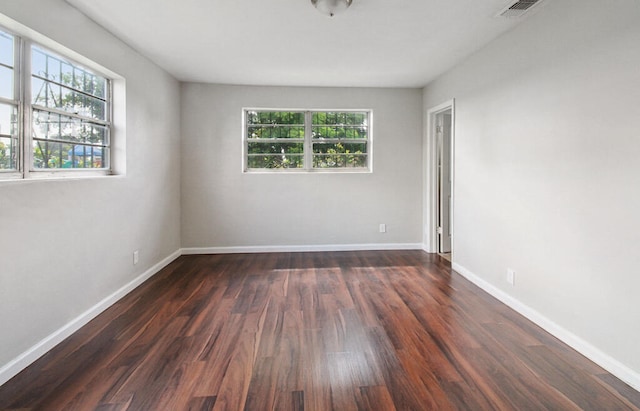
(366, 330)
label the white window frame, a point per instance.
(16, 101)
(22, 97)
(308, 143)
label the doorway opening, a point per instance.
(443, 192)
(439, 155)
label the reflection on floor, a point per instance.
(446, 256)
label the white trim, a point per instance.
(604, 360)
(429, 171)
(300, 248)
(13, 367)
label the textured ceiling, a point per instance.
(375, 43)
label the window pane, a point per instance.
(275, 155)
(332, 117)
(6, 49)
(56, 69)
(340, 118)
(341, 132)
(51, 95)
(339, 160)
(276, 148)
(56, 155)
(275, 132)
(346, 148)
(340, 125)
(275, 161)
(335, 155)
(6, 58)
(8, 153)
(6, 82)
(8, 137)
(8, 120)
(275, 117)
(51, 126)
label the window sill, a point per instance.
(55, 176)
(314, 171)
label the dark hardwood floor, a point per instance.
(313, 331)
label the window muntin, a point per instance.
(65, 109)
(307, 140)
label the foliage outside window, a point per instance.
(307, 140)
(66, 111)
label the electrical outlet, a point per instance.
(136, 257)
(511, 276)
(383, 228)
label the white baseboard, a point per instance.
(16, 365)
(300, 248)
(604, 360)
(610, 364)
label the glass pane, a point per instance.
(328, 160)
(47, 155)
(339, 118)
(339, 160)
(276, 148)
(339, 125)
(8, 137)
(336, 155)
(275, 161)
(39, 63)
(349, 132)
(47, 126)
(275, 155)
(8, 153)
(8, 120)
(346, 148)
(51, 67)
(6, 49)
(86, 157)
(275, 117)
(6, 82)
(275, 132)
(51, 95)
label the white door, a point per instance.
(443, 137)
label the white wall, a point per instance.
(67, 244)
(547, 169)
(222, 207)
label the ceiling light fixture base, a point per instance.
(331, 7)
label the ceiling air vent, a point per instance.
(518, 8)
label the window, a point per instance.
(55, 114)
(307, 140)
